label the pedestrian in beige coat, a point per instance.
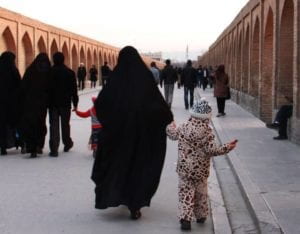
(196, 145)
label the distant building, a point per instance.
(154, 55)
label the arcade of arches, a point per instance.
(261, 52)
(27, 37)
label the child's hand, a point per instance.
(232, 144)
(173, 124)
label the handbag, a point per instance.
(228, 94)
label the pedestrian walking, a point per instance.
(81, 74)
(168, 78)
(9, 87)
(35, 90)
(134, 116)
(200, 76)
(105, 72)
(93, 76)
(96, 126)
(155, 72)
(189, 81)
(63, 92)
(196, 144)
(221, 89)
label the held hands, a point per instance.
(232, 144)
(74, 109)
(173, 124)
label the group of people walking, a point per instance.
(24, 104)
(93, 75)
(134, 119)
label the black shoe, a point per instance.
(201, 220)
(280, 138)
(185, 225)
(23, 150)
(39, 150)
(272, 125)
(68, 147)
(53, 154)
(3, 151)
(33, 155)
(135, 214)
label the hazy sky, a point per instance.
(152, 25)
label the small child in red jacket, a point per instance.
(96, 126)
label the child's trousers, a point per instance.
(192, 199)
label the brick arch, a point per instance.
(26, 53)
(105, 57)
(239, 62)
(267, 69)
(100, 59)
(286, 51)
(66, 53)
(74, 55)
(96, 59)
(8, 43)
(246, 46)
(82, 56)
(254, 66)
(89, 59)
(41, 46)
(53, 48)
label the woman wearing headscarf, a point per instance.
(35, 97)
(132, 149)
(9, 86)
(221, 90)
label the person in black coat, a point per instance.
(93, 76)
(81, 74)
(132, 143)
(189, 81)
(105, 72)
(35, 87)
(63, 92)
(9, 87)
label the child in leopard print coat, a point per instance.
(196, 145)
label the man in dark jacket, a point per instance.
(81, 74)
(168, 78)
(63, 92)
(189, 81)
(105, 71)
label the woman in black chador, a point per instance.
(9, 85)
(132, 144)
(35, 98)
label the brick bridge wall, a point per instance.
(27, 38)
(261, 52)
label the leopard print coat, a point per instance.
(196, 145)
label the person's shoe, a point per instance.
(68, 147)
(3, 151)
(39, 150)
(23, 150)
(53, 154)
(219, 115)
(280, 138)
(33, 155)
(201, 220)
(185, 225)
(272, 125)
(135, 214)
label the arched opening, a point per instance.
(254, 70)
(65, 51)
(53, 49)
(41, 46)
(26, 54)
(284, 89)
(245, 77)
(239, 64)
(7, 42)
(74, 58)
(100, 59)
(267, 70)
(105, 58)
(96, 60)
(82, 57)
(233, 67)
(89, 59)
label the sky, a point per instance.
(168, 26)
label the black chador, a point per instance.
(132, 145)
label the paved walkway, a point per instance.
(269, 170)
(55, 195)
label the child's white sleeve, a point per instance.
(172, 132)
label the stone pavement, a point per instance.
(55, 195)
(268, 170)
